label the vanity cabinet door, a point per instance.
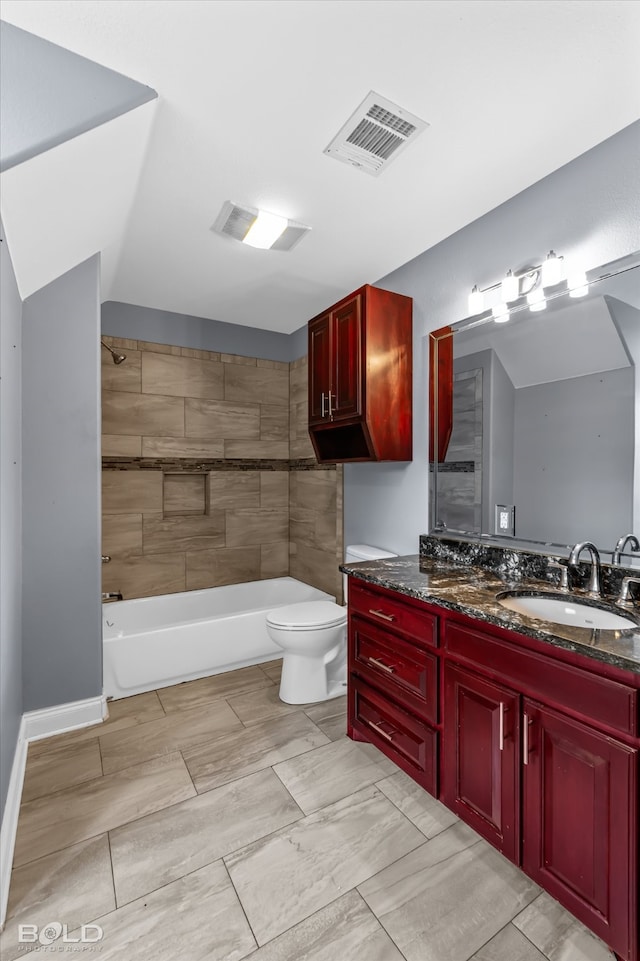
(579, 837)
(319, 369)
(480, 754)
(347, 355)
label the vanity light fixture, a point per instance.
(510, 287)
(535, 299)
(529, 283)
(476, 301)
(551, 270)
(500, 313)
(577, 284)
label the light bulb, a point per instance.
(551, 270)
(510, 288)
(577, 283)
(500, 313)
(476, 301)
(265, 230)
(536, 300)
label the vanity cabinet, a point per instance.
(536, 748)
(360, 375)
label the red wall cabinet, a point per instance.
(360, 378)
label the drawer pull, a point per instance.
(384, 667)
(525, 739)
(387, 737)
(385, 617)
(501, 731)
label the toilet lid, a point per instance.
(308, 614)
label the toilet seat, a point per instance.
(309, 615)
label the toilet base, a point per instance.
(307, 680)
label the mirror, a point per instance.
(535, 423)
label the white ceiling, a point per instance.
(250, 93)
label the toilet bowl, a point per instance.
(313, 638)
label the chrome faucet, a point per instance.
(622, 543)
(593, 589)
(111, 596)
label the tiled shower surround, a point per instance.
(208, 473)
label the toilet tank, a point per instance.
(362, 552)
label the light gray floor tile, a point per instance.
(251, 749)
(330, 716)
(54, 822)
(122, 713)
(425, 811)
(62, 766)
(448, 898)
(559, 935)
(197, 918)
(171, 732)
(508, 945)
(330, 773)
(200, 693)
(165, 846)
(284, 878)
(72, 886)
(345, 930)
(263, 705)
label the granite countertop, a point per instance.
(471, 590)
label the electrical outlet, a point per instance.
(505, 520)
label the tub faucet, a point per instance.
(622, 543)
(111, 596)
(593, 589)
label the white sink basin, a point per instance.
(565, 610)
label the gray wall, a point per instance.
(10, 520)
(49, 95)
(573, 458)
(588, 210)
(627, 320)
(499, 488)
(62, 630)
(183, 330)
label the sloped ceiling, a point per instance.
(250, 93)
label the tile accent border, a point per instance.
(34, 726)
(200, 466)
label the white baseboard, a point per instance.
(10, 818)
(34, 726)
(64, 717)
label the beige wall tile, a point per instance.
(313, 489)
(239, 360)
(325, 532)
(233, 489)
(145, 576)
(315, 567)
(122, 343)
(184, 494)
(159, 348)
(298, 380)
(248, 527)
(131, 491)
(163, 535)
(274, 489)
(182, 447)
(121, 445)
(302, 525)
(121, 535)
(299, 441)
(244, 384)
(124, 376)
(221, 419)
(265, 449)
(274, 423)
(181, 376)
(129, 413)
(200, 354)
(274, 560)
(220, 567)
(272, 364)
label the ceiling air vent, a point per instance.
(234, 220)
(375, 134)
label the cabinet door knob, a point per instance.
(385, 617)
(378, 729)
(385, 667)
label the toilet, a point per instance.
(313, 638)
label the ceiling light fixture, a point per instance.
(258, 228)
(528, 283)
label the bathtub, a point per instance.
(152, 642)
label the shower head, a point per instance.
(117, 358)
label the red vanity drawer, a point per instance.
(403, 738)
(391, 611)
(406, 671)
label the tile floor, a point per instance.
(211, 821)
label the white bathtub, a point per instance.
(151, 642)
